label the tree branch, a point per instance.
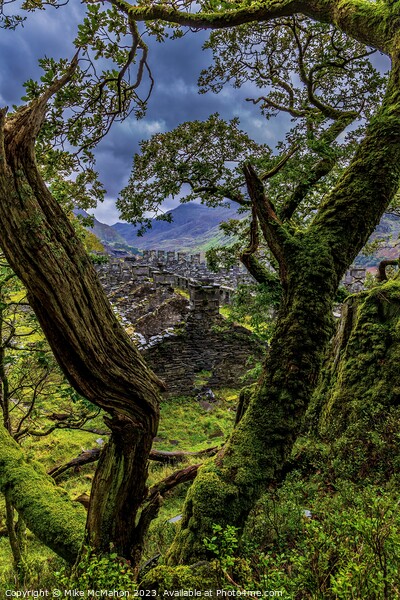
(175, 457)
(225, 192)
(254, 266)
(23, 126)
(322, 168)
(176, 478)
(85, 458)
(360, 20)
(381, 276)
(89, 456)
(271, 227)
(272, 172)
(290, 109)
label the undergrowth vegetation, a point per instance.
(310, 538)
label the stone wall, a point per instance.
(205, 342)
(181, 337)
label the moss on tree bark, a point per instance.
(48, 512)
(355, 410)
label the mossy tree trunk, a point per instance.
(90, 345)
(357, 418)
(49, 513)
(311, 265)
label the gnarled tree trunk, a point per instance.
(90, 345)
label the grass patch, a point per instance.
(186, 425)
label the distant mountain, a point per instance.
(194, 227)
(112, 241)
(106, 233)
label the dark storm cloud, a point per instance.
(44, 33)
(175, 65)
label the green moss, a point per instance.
(223, 505)
(201, 576)
(356, 407)
(46, 509)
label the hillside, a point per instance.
(388, 230)
(112, 241)
(194, 227)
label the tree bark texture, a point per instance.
(90, 345)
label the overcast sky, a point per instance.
(175, 65)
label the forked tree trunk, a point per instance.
(311, 266)
(88, 342)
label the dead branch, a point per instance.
(89, 456)
(175, 457)
(86, 457)
(271, 226)
(254, 266)
(176, 478)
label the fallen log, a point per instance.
(86, 457)
(160, 488)
(178, 456)
(163, 456)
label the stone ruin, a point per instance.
(181, 334)
(181, 268)
(203, 342)
(354, 280)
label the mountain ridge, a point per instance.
(195, 228)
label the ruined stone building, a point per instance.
(181, 333)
